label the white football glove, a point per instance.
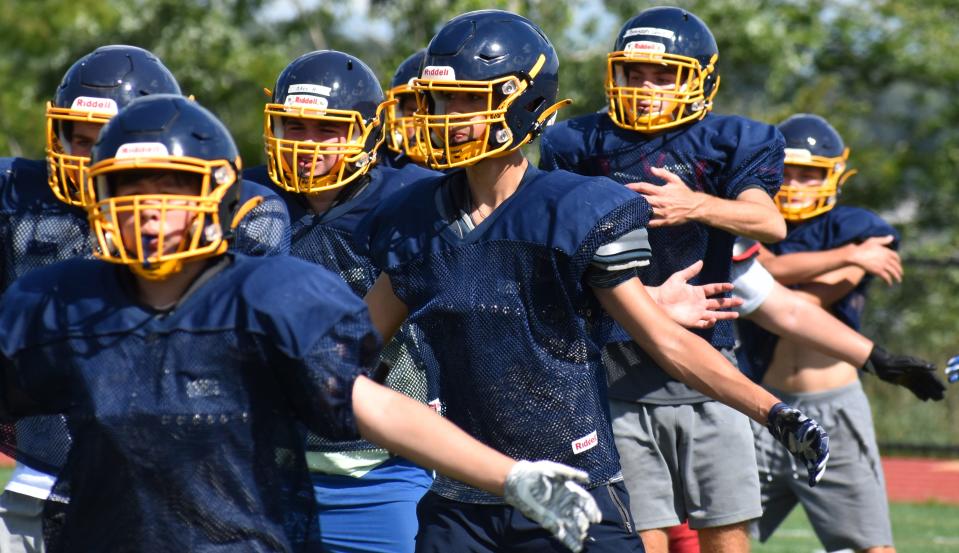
(547, 493)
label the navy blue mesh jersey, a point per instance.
(833, 229)
(510, 324)
(327, 239)
(187, 423)
(36, 230)
(388, 158)
(719, 155)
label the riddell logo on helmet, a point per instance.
(439, 73)
(142, 149)
(585, 443)
(645, 47)
(99, 105)
(318, 103)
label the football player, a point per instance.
(707, 177)
(510, 272)
(327, 109)
(850, 510)
(185, 369)
(42, 220)
(402, 143)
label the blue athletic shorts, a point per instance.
(374, 513)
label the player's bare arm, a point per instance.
(752, 214)
(791, 316)
(387, 312)
(873, 256)
(831, 287)
(685, 356)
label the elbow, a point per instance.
(774, 230)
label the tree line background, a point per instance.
(885, 73)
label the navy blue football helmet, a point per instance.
(92, 91)
(150, 139)
(681, 43)
(325, 87)
(812, 142)
(503, 59)
(401, 135)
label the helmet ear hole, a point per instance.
(535, 105)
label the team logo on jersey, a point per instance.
(585, 443)
(438, 73)
(95, 105)
(650, 31)
(644, 47)
(142, 149)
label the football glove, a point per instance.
(952, 370)
(802, 436)
(911, 372)
(548, 494)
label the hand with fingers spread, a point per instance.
(695, 306)
(802, 436)
(548, 493)
(876, 258)
(952, 370)
(673, 203)
(916, 374)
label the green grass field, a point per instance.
(917, 528)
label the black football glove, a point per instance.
(802, 436)
(911, 372)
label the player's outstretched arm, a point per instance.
(546, 492)
(787, 314)
(692, 360)
(752, 214)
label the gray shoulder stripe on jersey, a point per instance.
(634, 240)
(628, 265)
(628, 255)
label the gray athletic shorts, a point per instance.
(680, 462)
(848, 508)
(21, 523)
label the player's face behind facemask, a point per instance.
(165, 179)
(815, 167)
(662, 73)
(401, 134)
(487, 88)
(324, 123)
(92, 91)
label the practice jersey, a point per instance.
(510, 323)
(37, 229)
(327, 239)
(833, 229)
(718, 155)
(187, 422)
